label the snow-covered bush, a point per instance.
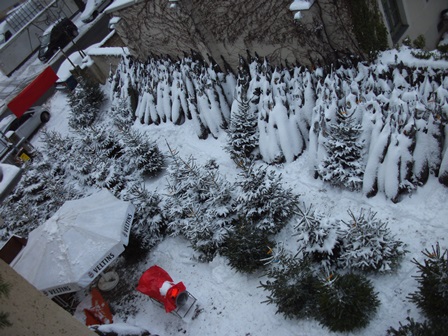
(246, 247)
(200, 205)
(368, 244)
(432, 293)
(346, 302)
(263, 200)
(293, 287)
(318, 237)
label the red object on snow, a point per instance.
(157, 284)
(32, 92)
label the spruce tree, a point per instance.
(149, 224)
(368, 244)
(293, 287)
(200, 205)
(246, 247)
(346, 302)
(142, 154)
(263, 199)
(343, 167)
(318, 237)
(243, 130)
(432, 294)
(85, 102)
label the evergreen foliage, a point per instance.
(343, 167)
(432, 294)
(346, 302)
(200, 205)
(413, 328)
(149, 226)
(263, 199)
(368, 26)
(293, 288)
(246, 247)
(318, 237)
(40, 192)
(5, 287)
(243, 130)
(368, 245)
(85, 101)
(142, 154)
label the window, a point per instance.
(394, 12)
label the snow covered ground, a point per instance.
(230, 303)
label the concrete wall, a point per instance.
(32, 313)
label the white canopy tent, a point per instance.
(73, 247)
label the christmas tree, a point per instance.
(343, 167)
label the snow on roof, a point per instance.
(120, 4)
(299, 5)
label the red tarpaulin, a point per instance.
(157, 283)
(32, 92)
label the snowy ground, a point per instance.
(231, 301)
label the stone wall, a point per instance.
(229, 28)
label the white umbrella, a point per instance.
(73, 247)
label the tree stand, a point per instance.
(184, 302)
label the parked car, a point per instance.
(93, 8)
(55, 37)
(27, 124)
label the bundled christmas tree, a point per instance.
(368, 244)
(263, 199)
(343, 167)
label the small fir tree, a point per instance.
(413, 328)
(318, 237)
(200, 206)
(85, 102)
(247, 247)
(142, 154)
(293, 287)
(343, 167)
(432, 294)
(263, 199)
(243, 130)
(149, 224)
(346, 302)
(369, 245)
